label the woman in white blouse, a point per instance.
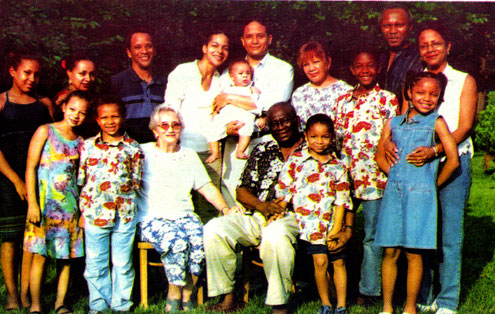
(191, 88)
(166, 213)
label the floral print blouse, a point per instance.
(309, 100)
(358, 123)
(109, 174)
(314, 189)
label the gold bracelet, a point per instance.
(435, 149)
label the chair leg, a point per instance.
(143, 261)
(246, 262)
(200, 294)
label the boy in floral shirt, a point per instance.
(359, 119)
(109, 174)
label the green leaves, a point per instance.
(485, 130)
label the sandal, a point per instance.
(62, 310)
(174, 305)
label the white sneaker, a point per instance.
(444, 310)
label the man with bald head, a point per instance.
(224, 236)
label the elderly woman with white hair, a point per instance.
(166, 212)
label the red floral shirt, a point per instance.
(359, 122)
(314, 189)
(109, 174)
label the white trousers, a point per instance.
(223, 238)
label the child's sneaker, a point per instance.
(326, 309)
(444, 310)
(341, 310)
(427, 308)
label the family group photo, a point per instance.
(309, 157)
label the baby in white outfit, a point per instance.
(241, 74)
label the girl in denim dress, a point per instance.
(408, 216)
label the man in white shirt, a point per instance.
(273, 77)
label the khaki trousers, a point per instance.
(223, 238)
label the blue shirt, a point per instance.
(140, 98)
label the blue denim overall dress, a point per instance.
(408, 213)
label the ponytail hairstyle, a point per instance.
(15, 59)
(71, 61)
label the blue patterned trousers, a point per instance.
(179, 243)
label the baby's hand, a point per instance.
(261, 123)
(255, 90)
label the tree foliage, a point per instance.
(55, 28)
(485, 130)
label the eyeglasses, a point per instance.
(434, 45)
(279, 123)
(175, 126)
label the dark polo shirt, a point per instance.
(405, 60)
(140, 98)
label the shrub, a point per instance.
(485, 130)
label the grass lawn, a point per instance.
(478, 271)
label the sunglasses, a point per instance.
(174, 125)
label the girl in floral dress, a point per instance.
(52, 221)
(315, 182)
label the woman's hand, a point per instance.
(420, 156)
(34, 214)
(391, 151)
(219, 102)
(20, 187)
(261, 123)
(232, 128)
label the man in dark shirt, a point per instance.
(139, 88)
(256, 192)
(401, 56)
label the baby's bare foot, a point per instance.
(241, 155)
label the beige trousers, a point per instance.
(223, 238)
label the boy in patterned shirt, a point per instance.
(109, 175)
(359, 119)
